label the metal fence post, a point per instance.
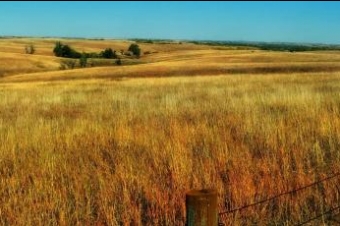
(201, 207)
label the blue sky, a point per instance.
(312, 22)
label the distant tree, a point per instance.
(66, 51)
(83, 60)
(109, 53)
(58, 49)
(61, 50)
(29, 49)
(134, 48)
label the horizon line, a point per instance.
(171, 39)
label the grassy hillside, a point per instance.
(14, 60)
(16, 63)
(192, 63)
(121, 145)
(176, 59)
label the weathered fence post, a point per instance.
(201, 207)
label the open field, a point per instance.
(121, 145)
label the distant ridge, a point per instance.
(274, 46)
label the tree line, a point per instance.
(63, 50)
(291, 47)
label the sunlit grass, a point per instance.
(103, 152)
(118, 146)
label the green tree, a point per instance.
(58, 49)
(134, 48)
(83, 60)
(108, 53)
(61, 50)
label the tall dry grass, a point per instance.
(99, 152)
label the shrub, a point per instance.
(108, 53)
(29, 49)
(134, 48)
(83, 60)
(61, 50)
(58, 49)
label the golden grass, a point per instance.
(200, 62)
(13, 59)
(16, 63)
(173, 59)
(103, 152)
(44, 46)
(121, 145)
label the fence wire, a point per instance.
(318, 216)
(294, 191)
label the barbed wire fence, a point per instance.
(290, 192)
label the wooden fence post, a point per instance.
(201, 207)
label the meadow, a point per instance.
(121, 145)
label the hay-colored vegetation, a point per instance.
(122, 145)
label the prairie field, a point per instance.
(121, 145)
